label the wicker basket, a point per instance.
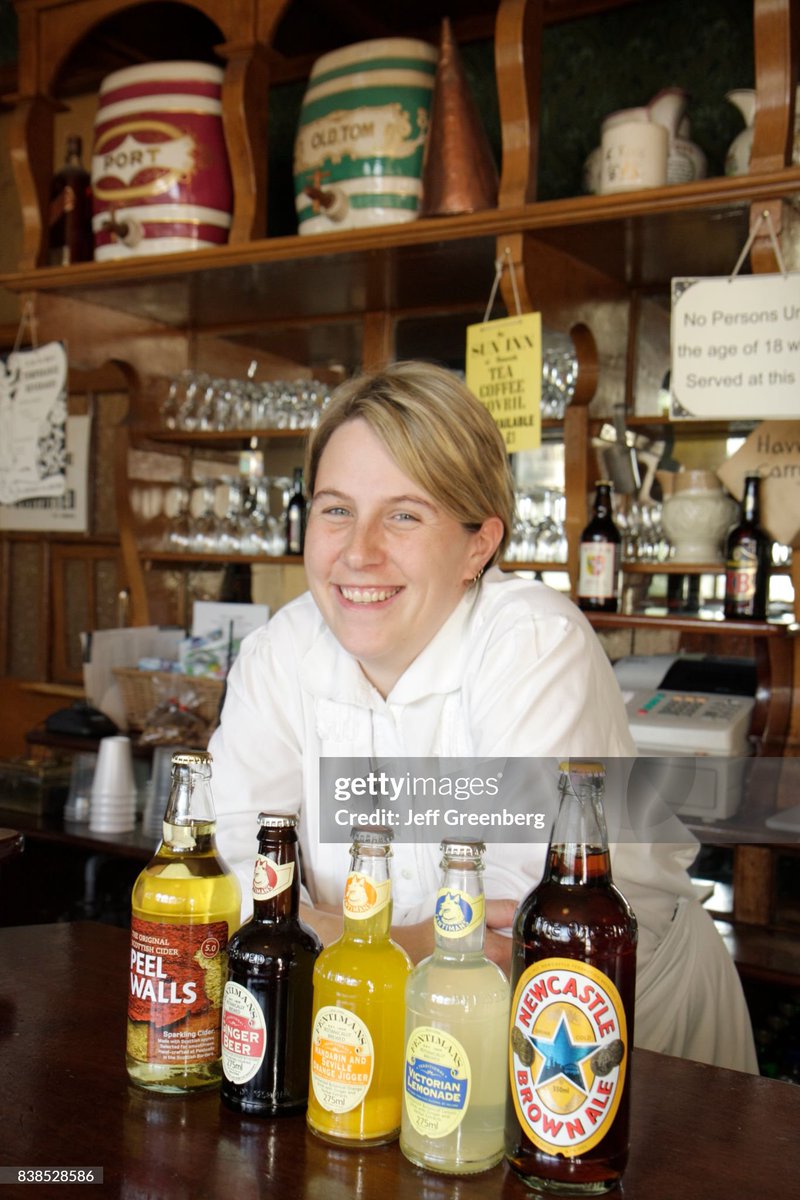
(140, 696)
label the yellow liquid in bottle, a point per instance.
(185, 885)
(364, 973)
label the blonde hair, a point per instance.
(437, 433)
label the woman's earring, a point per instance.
(477, 575)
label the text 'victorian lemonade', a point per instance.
(356, 1076)
(186, 903)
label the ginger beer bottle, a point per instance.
(266, 1008)
(455, 1032)
(571, 1031)
(356, 1089)
(186, 904)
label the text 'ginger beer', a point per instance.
(266, 1008)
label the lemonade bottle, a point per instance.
(356, 1084)
(186, 904)
(457, 1004)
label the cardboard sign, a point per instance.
(772, 451)
(504, 370)
(736, 347)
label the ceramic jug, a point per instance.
(685, 160)
(737, 160)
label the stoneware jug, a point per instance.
(696, 516)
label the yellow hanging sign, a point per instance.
(504, 370)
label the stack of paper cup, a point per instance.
(113, 804)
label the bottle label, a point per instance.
(598, 570)
(364, 897)
(567, 1055)
(457, 913)
(437, 1081)
(271, 878)
(342, 1059)
(741, 570)
(244, 1034)
(176, 982)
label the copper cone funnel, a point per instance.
(458, 173)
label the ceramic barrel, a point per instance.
(361, 136)
(161, 180)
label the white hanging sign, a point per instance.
(736, 347)
(33, 416)
(68, 513)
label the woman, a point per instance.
(411, 643)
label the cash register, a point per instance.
(698, 706)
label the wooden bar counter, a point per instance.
(698, 1133)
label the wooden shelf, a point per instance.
(643, 239)
(670, 567)
(713, 627)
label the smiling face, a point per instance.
(385, 563)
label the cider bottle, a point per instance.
(186, 904)
(266, 1006)
(296, 516)
(455, 1032)
(356, 1077)
(598, 579)
(747, 561)
(571, 1030)
(70, 213)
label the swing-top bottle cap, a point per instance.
(277, 820)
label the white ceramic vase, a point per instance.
(697, 516)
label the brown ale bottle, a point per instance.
(573, 975)
(598, 579)
(266, 1006)
(747, 561)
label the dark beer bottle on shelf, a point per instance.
(70, 215)
(266, 1006)
(598, 579)
(747, 561)
(573, 976)
(296, 516)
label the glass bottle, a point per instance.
(598, 579)
(356, 1091)
(296, 516)
(571, 1031)
(455, 1032)
(747, 561)
(70, 216)
(186, 904)
(266, 1008)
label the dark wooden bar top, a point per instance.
(698, 1133)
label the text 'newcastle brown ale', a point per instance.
(573, 975)
(266, 1007)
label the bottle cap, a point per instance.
(277, 820)
(187, 758)
(581, 766)
(462, 848)
(373, 836)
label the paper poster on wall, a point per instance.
(736, 347)
(772, 451)
(504, 370)
(33, 414)
(69, 512)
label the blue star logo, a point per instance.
(561, 1056)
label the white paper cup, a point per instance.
(634, 156)
(113, 774)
